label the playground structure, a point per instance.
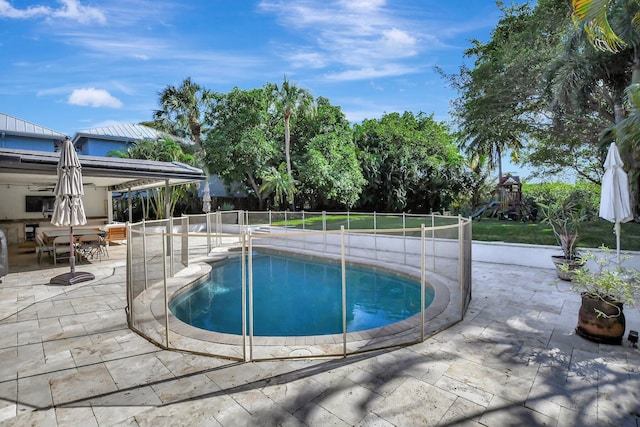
(506, 202)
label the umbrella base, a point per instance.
(71, 278)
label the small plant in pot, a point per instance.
(604, 291)
(564, 216)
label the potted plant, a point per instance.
(604, 291)
(564, 216)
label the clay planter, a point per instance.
(559, 260)
(606, 328)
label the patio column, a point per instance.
(109, 206)
(130, 205)
(167, 201)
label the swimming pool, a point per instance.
(296, 296)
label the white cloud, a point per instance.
(366, 73)
(307, 60)
(398, 39)
(94, 98)
(73, 10)
(359, 37)
(69, 9)
(8, 11)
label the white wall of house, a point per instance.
(14, 202)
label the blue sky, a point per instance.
(71, 65)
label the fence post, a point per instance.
(433, 240)
(324, 230)
(144, 250)
(375, 235)
(243, 309)
(344, 294)
(208, 222)
(129, 277)
(219, 228)
(184, 240)
(422, 280)
(250, 295)
(404, 237)
(164, 279)
(461, 272)
(169, 242)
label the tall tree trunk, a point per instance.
(631, 159)
(499, 152)
(256, 190)
(287, 141)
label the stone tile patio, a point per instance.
(67, 358)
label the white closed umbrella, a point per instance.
(206, 198)
(206, 208)
(615, 204)
(68, 210)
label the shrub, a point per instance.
(584, 195)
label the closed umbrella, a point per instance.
(68, 210)
(615, 205)
(206, 208)
(206, 199)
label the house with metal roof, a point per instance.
(20, 134)
(28, 177)
(28, 171)
(101, 141)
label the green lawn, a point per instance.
(593, 234)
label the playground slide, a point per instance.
(484, 208)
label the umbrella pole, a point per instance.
(72, 256)
(617, 230)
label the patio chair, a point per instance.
(91, 246)
(116, 233)
(61, 249)
(42, 248)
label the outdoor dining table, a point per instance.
(51, 234)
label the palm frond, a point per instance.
(593, 14)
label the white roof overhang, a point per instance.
(26, 167)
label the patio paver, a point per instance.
(68, 358)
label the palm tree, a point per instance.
(164, 150)
(182, 110)
(614, 26)
(291, 99)
(279, 183)
(594, 15)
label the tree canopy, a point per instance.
(410, 163)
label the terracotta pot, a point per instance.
(559, 260)
(600, 320)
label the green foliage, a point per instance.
(280, 184)
(182, 109)
(240, 145)
(164, 150)
(564, 216)
(410, 163)
(326, 159)
(290, 100)
(610, 281)
(583, 194)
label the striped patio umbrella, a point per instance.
(68, 210)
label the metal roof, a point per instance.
(126, 132)
(14, 126)
(117, 174)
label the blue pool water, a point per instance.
(296, 296)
